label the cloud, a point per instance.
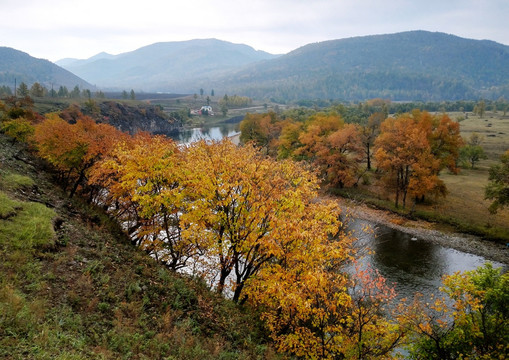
(75, 28)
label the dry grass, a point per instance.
(495, 129)
(465, 200)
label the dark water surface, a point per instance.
(411, 264)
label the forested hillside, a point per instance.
(416, 65)
(18, 66)
(408, 66)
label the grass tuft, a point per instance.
(12, 181)
(29, 225)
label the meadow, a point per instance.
(465, 200)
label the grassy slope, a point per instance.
(79, 290)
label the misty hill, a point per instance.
(415, 65)
(15, 64)
(165, 66)
(78, 62)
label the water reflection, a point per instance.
(411, 264)
(214, 133)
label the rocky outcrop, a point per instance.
(132, 119)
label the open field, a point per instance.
(495, 129)
(466, 190)
(466, 199)
(464, 208)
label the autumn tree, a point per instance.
(242, 208)
(19, 129)
(412, 149)
(498, 186)
(372, 331)
(289, 140)
(471, 323)
(400, 148)
(444, 138)
(317, 128)
(334, 146)
(316, 310)
(369, 133)
(73, 148)
(263, 130)
(143, 181)
(17, 118)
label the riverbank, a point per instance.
(426, 230)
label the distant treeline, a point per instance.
(354, 111)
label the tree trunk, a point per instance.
(368, 156)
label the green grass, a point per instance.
(8, 206)
(25, 225)
(14, 181)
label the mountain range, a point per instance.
(413, 65)
(166, 66)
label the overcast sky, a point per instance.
(55, 29)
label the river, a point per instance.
(410, 263)
(216, 132)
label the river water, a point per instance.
(215, 133)
(411, 264)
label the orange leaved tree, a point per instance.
(334, 146)
(74, 148)
(412, 149)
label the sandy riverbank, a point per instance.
(424, 230)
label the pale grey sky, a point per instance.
(55, 29)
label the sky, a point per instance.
(56, 29)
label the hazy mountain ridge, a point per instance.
(19, 66)
(75, 62)
(165, 66)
